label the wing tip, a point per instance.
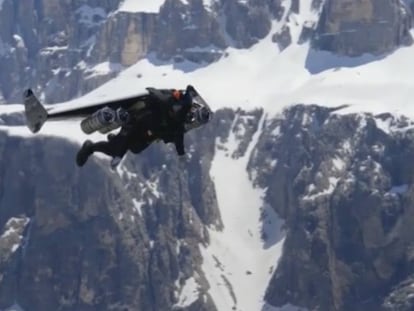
(36, 114)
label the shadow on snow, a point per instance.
(319, 61)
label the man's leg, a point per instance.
(138, 145)
(84, 152)
(116, 148)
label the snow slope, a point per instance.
(236, 263)
(262, 76)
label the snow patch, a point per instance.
(10, 109)
(211, 49)
(399, 189)
(10, 225)
(120, 216)
(273, 163)
(178, 246)
(188, 294)
(390, 124)
(138, 206)
(153, 187)
(339, 164)
(276, 131)
(141, 6)
(123, 171)
(103, 69)
(14, 228)
(90, 44)
(384, 125)
(15, 247)
(19, 41)
(8, 232)
(207, 3)
(332, 182)
(53, 49)
(347, 146)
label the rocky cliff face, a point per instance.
(353, 28)
(343, 184)
(93, 239)
(65, 49)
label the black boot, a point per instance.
(84, 153)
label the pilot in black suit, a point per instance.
(167, 116)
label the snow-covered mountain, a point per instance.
(298, 195)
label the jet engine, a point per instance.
(105, 120)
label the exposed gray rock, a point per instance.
(192, 32)
(353, 28)
(246, 24)
(307, 32)
(283, 39)
(343, 185)
(100, 240)
(55, 47)
(42, 41)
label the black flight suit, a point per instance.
(163, 119)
